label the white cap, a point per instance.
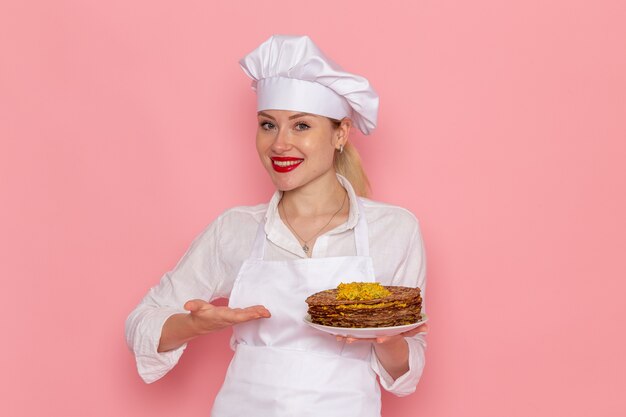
(292, 73)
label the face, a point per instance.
(295, 148)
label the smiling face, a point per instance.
(296, 148)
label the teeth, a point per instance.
(286, 163)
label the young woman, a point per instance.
(318, 230)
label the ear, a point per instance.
(342, 132)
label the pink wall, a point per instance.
(502, 126)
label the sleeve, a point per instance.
(411, 273)
(197, 275)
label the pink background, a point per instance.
(127, 126)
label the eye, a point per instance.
(302, 126)
(265, 125)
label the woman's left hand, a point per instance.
(392, 351)
(386, 339)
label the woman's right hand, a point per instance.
(203, 318)
(206, 317)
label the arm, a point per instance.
(177, 330)
(399, 360)
(393, 355)
(197, 275)
(158, 334)
(397, 382)
(393, 352)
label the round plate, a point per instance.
(365, 332)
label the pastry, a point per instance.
(365, 304)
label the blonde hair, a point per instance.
(348, 163)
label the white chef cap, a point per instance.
(292, 73)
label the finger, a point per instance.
(241, 315)
(382, 339)
(195, 305)
(255, 311)
(260, 310)
(360, 339)
(349, 339)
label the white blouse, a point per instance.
(209, 268)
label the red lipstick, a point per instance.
(285, 163)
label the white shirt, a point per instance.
(209, 267)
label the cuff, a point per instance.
(405, 384)
(151, 364)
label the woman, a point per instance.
(315, 233)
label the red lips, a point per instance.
(285, 163)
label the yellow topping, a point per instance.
(377, 305)
(361, 291)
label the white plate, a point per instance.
(365, 332)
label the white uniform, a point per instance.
(281, 366)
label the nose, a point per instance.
(282, 141)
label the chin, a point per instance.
(287, 181)
(282, 185)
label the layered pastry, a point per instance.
(365, 304)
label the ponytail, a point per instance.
(348, 164)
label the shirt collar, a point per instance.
(278, 232)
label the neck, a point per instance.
(319, 197)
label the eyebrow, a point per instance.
(290, 117)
